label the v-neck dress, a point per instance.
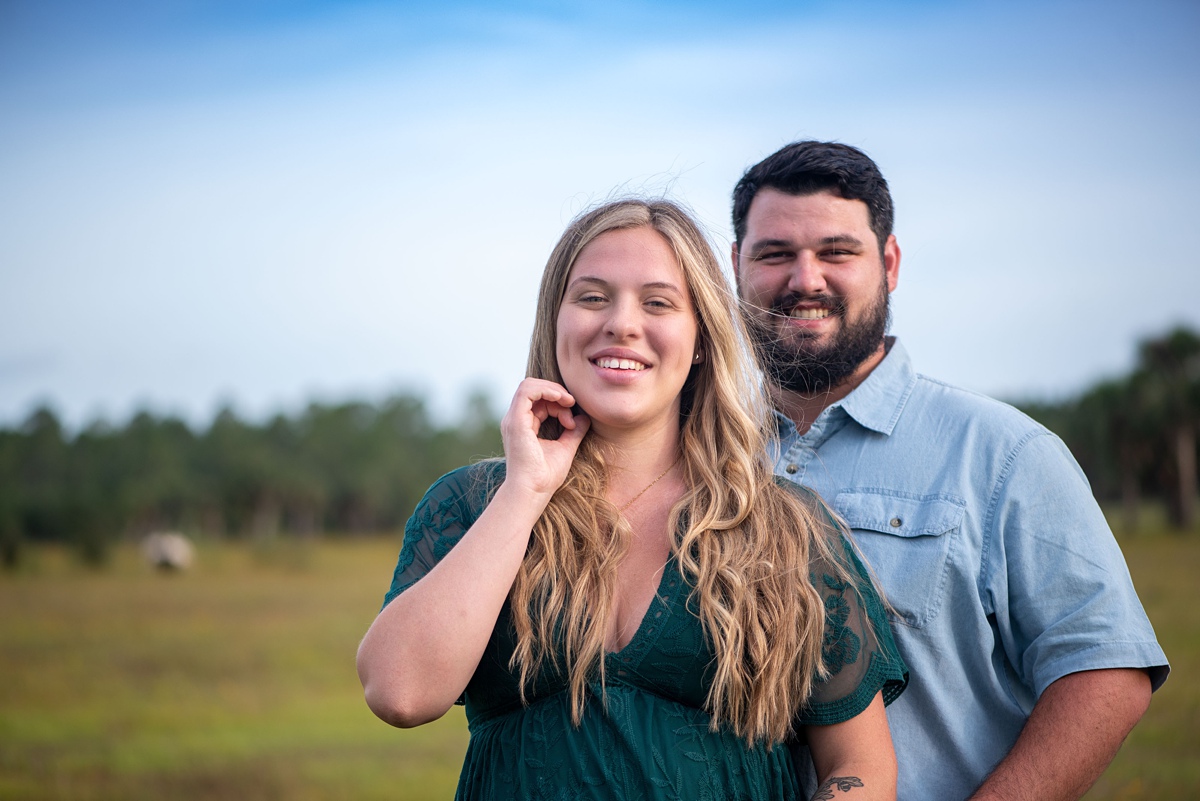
(644, 733)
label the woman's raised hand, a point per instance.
(540, 465)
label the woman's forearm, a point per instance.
(855, 758)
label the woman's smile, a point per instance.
(619, 364)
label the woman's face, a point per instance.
(626, 331)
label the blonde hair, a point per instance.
(745, 545)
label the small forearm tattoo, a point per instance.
(843, 783)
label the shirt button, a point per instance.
(620, 673)
(791, 468)
(896, 522)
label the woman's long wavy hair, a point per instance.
(744, 544)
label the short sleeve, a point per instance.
(857, 647)
(444, 514)
(1053, 578)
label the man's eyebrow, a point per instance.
(765, 244)
(842, 239)
(837, 239)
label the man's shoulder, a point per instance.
(958, 442)
(918, 409)
(944, 421)
(949, 404)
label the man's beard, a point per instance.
(797, 363)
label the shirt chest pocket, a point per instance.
(908, 542)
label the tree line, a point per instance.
(1135, 436)
(349, 467)
(359, 467)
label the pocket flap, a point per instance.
(900, 516)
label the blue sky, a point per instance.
(267, 203)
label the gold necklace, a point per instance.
(648, 486)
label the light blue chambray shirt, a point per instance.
(985, 537)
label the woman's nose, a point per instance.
(623, 321)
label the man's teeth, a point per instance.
(620, 364)
(809, 314)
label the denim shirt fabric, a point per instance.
(984, 535)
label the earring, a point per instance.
(696, 358)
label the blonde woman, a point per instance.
(628, 604)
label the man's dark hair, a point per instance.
(806, 168)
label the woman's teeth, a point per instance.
(619, 364)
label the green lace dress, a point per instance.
(649, 737)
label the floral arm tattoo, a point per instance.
(843, 783)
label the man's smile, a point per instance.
(797, 307)
(819, 313)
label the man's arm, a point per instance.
(1071, 736)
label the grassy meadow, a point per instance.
(236, 680)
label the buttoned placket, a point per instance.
(794, 460)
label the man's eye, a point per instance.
(774, 255)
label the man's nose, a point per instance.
(807, 276)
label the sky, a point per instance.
(263, 204)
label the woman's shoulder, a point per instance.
(821, 510)
(799, 490)
(839, 558)
(449, 507)
(487, 470)
(473, 483)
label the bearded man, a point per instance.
(1031, 657)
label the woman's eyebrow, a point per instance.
(591, 279)
(661, 285)
(587, 279)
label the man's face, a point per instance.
(810, 269)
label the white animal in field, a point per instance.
(168, 550)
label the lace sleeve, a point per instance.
(857, 649)
(449, 508)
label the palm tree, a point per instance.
(1169, 372)
(1115, 440)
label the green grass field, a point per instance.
(236, 680)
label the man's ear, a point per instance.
(891, 262)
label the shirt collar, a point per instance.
(877, 403)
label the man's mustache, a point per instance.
(784, 304)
